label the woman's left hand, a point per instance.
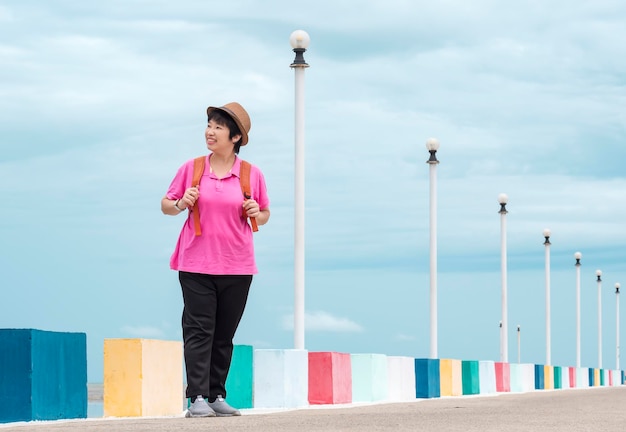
(251, 207)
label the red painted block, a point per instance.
(330, 378)
(572, 377)
(503, 377)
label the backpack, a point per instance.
(244, 181)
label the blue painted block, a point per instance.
(591, 377)
(43, 375)
(427, 378)
(539, 377)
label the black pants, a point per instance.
(213, 307)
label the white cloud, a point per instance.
(320, 321)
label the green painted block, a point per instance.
(471, 380)
(240, 377)
(558, 377)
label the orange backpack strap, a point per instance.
(244, 180)
(198, 170)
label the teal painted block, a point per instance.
(539, 377)
(43, 375)
(602, 380)
(591, 374)
(558, 377)
(240, 381)
(427, 378)
(470, 377)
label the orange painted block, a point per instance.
(330, 378)
(142, 377)
(503, 377)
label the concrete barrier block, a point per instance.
(427, 378)
(330, 378)
(401, 378)
(582, 377)
(487, 376)
(281, 378)
(451, 377)
(239, 383)
(529, 377)
(558, 377)
(548, 377)
(539, 377)
(503, 377)
(565, 384)
(573, 376)
(43, 375)
(470, 377)
(142, 377)
(369, 377)
(516, 377)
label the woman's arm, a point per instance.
(168, 207)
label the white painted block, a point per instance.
(281, 378)
(528, 373)
(401, 378)
(582, 377)
(487, 376)
(516, 374)
(565, 377)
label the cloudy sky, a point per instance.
(101, 102)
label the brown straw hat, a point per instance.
(238, 114)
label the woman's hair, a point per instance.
(223, 119)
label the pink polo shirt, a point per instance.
(226, 246)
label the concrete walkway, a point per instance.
(573, 410)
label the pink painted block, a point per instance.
(330, 378)
(503, 377)
(572, 377)
(610, 377)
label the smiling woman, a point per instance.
(214, 255)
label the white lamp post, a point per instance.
(504, 352)
(433, 145)
(519, 344)
(599, 280)
(578, 256)
(546, 235)
(617, 285)
(299, 40)
(500, 329)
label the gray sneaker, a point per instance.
(200, 408)
(222, 409)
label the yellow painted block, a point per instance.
(445, 377)
(596, 377)
(451, 377)
(142, 377)
(548, 377)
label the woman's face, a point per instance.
(218, 138)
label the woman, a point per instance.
(215, 261)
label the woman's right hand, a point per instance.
(190, 197)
